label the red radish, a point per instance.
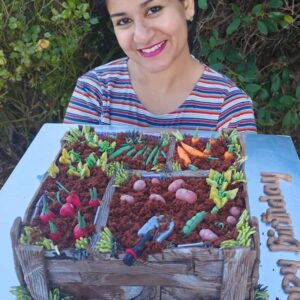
(67, 210)
(80, 229)
(94, 197)
(54, 233)
(73, 198)
(46, 214)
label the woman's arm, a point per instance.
(85, 103)
(237, 111)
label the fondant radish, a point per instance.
(67, 210)
(54, 233)
(94, 201)
(73, 198)
(80, 229)
(46, 214)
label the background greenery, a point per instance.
(46, 45)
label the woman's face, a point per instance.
(152, 33)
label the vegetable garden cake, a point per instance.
(146, 216)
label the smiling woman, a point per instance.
(159, 82)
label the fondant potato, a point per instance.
(186, 195)
(207, 235)
(175, 185)
(139, 185)
(157, 197)
(127, 198)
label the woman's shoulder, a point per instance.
(211, 76)
(109, 70)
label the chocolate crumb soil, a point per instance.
(126, 219)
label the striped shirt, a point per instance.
(105, 96)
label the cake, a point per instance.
(131, 215)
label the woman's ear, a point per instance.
(189, 6)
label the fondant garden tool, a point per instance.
(150, 231)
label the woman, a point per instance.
(159, 83)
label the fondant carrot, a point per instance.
(183, 155)
(191, 150)
(228, 155)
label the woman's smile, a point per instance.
(153, 50)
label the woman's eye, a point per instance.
(153, 10)
(123, 21)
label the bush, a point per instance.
(45, 46)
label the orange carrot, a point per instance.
(194, 140)
(183, 155)
(228, 155)
(191, 150)
(212, 141)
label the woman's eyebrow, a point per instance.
(121, 14)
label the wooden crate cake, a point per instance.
(170, 224)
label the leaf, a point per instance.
(233, 26)
(285, 75)
(216, 56)
(217, 66)
(271, 24)
(234, 56)
(94, 21)
(263, 29)
(275, 3)
(257, 10)
(287, 100)
(287, 119)
(202, 4)
(252, 89)
(264, 94)
(298, 92)
(288, 19)
(275, 83)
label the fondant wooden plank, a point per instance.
(171, 293)
(33, 265)
(117, 266)
(238, 265)
(175, 280)
(14, 235)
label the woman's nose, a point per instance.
(142, 32)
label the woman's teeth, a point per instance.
(152, 49)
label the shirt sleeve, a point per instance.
(85, 105)
(237, 111)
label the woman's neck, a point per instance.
(185, 67)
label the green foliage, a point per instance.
(44, 47)
(255, 44)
